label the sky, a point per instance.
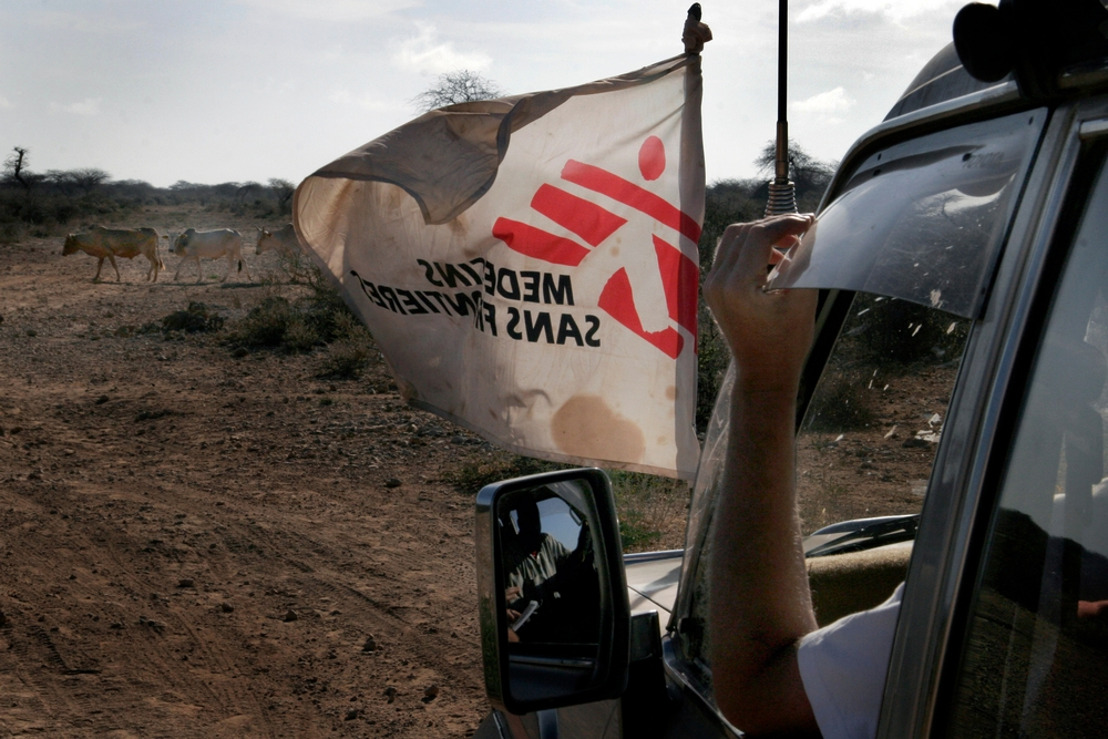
(249, 90)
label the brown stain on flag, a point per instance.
(586, 426)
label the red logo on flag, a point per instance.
(593, 224)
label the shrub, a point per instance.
(350, 352)
(196, 318)
(652, 510)
(299, 269)
(713, 359)
(345, 360)
(300, 337)
(266, 326)
(472, 476)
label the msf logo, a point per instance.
(592, 223)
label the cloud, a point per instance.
(831, 106)
(86, 107)
(896, 11)
(426, 54)
(5, 104)
(332, 10)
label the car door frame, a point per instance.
(964, 486)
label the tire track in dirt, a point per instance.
(159, 636)
(399, 643)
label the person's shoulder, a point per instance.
(843, 667)
(549, 542)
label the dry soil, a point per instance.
(194, 544)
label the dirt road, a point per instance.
(194, 544)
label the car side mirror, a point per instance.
(551, 590)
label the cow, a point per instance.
(283, 241)
(196, 245)
(109, 243)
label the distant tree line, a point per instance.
(48, 203)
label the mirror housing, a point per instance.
(578, 652)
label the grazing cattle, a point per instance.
(196, 245)
(109, 243)
(283, 241)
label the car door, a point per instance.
(904, 253)
(1004, 628)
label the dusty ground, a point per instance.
(194, 544)
(197, 545)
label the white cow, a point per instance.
(283, 241)
(196, 245)
(109, 243)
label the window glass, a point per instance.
(922, 220)
(868, 439)
(1035, 660)
(865, 450)
(913, 234)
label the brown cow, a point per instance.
(283, 241)
(109, 243)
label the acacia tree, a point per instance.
(730, 201)
(810, 175)
(462, 86)
(282, 190)
(15, 167)
(248, 190)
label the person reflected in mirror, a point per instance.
(545, 580)
(773, 670)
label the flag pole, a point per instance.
(782, 192)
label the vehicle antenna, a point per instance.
(782, 192)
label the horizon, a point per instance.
(252, 90)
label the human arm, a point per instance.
(760, 602)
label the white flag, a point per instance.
(528, 265)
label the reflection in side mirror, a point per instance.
(551, 588)
(553, 599)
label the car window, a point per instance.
(868, 439)
(909, 242)
(922, 220)
(1034, 661)
(865, 449)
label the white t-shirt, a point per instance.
(843, 668)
